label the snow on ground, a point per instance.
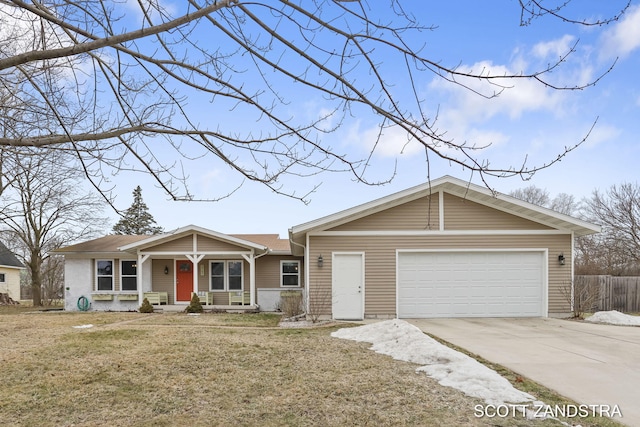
(614, 318)
(403, 341)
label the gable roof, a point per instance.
(118, 243)
(457, 187)
(8, 258)
(106, 244)
(189, 229)
(272, 241)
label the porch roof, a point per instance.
(130, 243)
(188, 230)
(106, 244)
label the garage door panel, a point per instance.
(470, 284)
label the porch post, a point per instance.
(251, 259)
(195, 260)
(139, 278)
(252, 278)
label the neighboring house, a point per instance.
(10, 269)
(114, 272)
(442, 249)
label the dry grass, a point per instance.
(132, 369)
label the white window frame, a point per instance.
(226, 262)
(122, 275)
(98, 276)
(283, 274)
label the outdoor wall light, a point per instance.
(561, 258)
(166, 269)
(320, 261)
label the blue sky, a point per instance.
(526, 121)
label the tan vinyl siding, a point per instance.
(207, 244)
(268, 270)
(116, 274)
(462, 214)
(420, 214)
(204, 244)
(163, 282)
(380, 262)
(183, 244)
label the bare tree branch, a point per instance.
(122, 84)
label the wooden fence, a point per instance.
(615, 292)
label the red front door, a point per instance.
(184, 280)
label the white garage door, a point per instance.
(471, 284)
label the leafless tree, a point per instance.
(115, 81)
(43, 208)
(563, 203)
(532, 194)
(617, 249)
(582, 297)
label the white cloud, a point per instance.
(391, 142)
(554, 48)
(151, 8)
(624, 36)
(602, 133)
(466, 115)
(511, 97)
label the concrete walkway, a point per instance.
(588, 363)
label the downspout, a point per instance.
(139, 278)
(254, 291)
(573, 263)
(306, 270)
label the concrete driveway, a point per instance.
(588, 363)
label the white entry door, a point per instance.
(348, 285)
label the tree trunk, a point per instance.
(36, 278)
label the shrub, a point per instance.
(291, 303)
(320, 301)
(146, 307)
(194, 306)
(582, 297)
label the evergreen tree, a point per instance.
(137, 219)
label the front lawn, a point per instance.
(132, 369)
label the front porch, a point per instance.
(220, 268)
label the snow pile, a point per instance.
(403, 341)
(614, 317)
(83, 326)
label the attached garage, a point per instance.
(446, 248)
(479, 283)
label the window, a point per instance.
(217, 276)
(226, 275)
(128, 273)
(290, 273)
(234, 268)
(104, 273)
(2, 279)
